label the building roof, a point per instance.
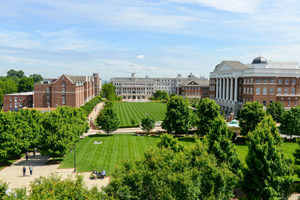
(21, 93)
(235, 64)
(76, 79)
(200, 82)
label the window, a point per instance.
(286, 90)
(251, 80)
(16, 105)
(20, 99)
(279, 81)
(289, 103)
(279, 90)
(10, 105)
(293, 90)
(272, 80)
(251, 90)
(63, 89)
(63, 84)
(10, 98)
(286, 81)
(265, 80)
(258, 91)
(293, 81)
(20, 105)
(48, 90)
(244, 90)
(265, 91)
(264, 102)
(257, 80)
(248, 90)
(63, 101)
(16, 99)
(271, 90)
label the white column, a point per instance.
(231, 89)
(217, 82)
(223, 85)
(235, 89)
(227, 88)
(220, 88)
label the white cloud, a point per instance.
(140, 56)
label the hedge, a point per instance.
(90, 105)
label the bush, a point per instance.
(90, 105)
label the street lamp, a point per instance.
(74, 159)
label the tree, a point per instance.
(148, 123)
(19, 74)
(160, 95)
(220, 145)
(207, 110)
(108, 120)
(7, 86)
(168, 141)
(36, 77)
(290, 123)
(108, 91)
(177, 117)
(269, 173)
(166, 174)
(250, 115)
(61, 128)
(276, 110)
(3, 188)
(25, 84)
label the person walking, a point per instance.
(34, 152)
(27, 155)
(30, 169)
(24, 170)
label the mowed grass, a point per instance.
(137, 110)
(116, 148)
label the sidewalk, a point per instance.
(13, 174)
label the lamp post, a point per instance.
(74, 159)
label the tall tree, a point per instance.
(36, 77)
(148, 123)
(207, 110)
(177, 119)
(108, 120)
(108, 91)
(276, 110)
(12, 72)
(168, 141)
(250, 115)
(269, 173)
(290, 123)
(220, 145)
(25, 84)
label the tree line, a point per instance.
(16, 81)
(52, 133)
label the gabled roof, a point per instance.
(236, 65)
(75, 79)
(200, 82)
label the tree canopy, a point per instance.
(160, 95)
(207, 110)
(148, 123)
(25, 84)
(290, 123)
(36, 77)
(107, 119)
(177, 119)
(167, 174)
(250, 115)
(269, 173)
(276, 110)
(12, 72)
(108, 91)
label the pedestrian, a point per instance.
(34, 152)
(24, 170)
(26, 155)
(30, 169)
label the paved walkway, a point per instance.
(13, 174)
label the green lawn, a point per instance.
(116, 148)
(129, 110)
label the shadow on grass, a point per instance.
(54, 161)
(100, 135)
(186, 139)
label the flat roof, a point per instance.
(22, 93)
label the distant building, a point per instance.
(67, 90)
(14, 102)
(233, 83)
(139, 88)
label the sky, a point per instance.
(158, 38)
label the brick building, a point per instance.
(193, 87)
(233, 83)
(67, 90)
(14, 102)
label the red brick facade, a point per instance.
(72, 91)
(17, 101)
